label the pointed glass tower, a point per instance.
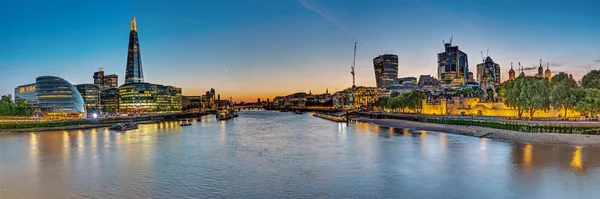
(134, 72)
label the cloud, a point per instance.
(531, 68)
(329, 18)
(557, 64)
(597, 61)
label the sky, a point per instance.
(263, 48)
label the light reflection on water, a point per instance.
(280, 155)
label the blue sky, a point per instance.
(262, 48)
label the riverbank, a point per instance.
(89, 124)
(330, 118)
(491, 133)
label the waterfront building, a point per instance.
(27, 93)
(511, 72)
(191, 102)
(453, 66)
(365, 96)
(343, 99)
(109, 100)
(138, 98)
(58, 99)
(168, 98)
(488, 73)
(91, 97)
(386, 69)
(134, 72)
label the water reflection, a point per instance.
(279, 155)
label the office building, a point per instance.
(27, 93)
(134, 72)
(453, 66)
(386, 69)
(58, 99)
(109, 100)
(91, 97)
(105, 81)
(488, 73)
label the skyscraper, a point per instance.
(488, 73)
(386, 69)
(105, 81)
(134, 72)
(453, 66)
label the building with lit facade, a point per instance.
(134, 72)
(105, 81)
(191, 102)
(386, 69)
(91, 97)
(146, 98)
(27, 93)
(365, 96)
(488, 73)
(453, 66)
(58, 99)
(137, 96)
(109, 100)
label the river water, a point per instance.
(280, 155)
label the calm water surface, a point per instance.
(281, 155)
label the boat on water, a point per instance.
(124, 126)
(224, 115)
(297, 112)
(234, 113)
(186, 123)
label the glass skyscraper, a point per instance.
(453, 66)
(134, 72)
(386, 70)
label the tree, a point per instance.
(564, 96)
(512, 94)
(536, 94)
(591, 80)
(394, 94)
(589, 102)
(527, 94)
(563, 78)
(565, 92)
(6, 98)
(414, 99)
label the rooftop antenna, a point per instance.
(511, 65)
(487, 54)
(353, 64)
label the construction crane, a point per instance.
(352, 67)
(451, 37)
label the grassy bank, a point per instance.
(513, 126)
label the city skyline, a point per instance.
(308, 48)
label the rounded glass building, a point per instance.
(58, 99)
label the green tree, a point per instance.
(565, 93)
(564, 96)
(527, 94)
(563, 78)
(21, 102)
(589, 102)
(6, 98)
(537, 95)
(591, 79)
(394, 94)
(415, 98)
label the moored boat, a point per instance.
(124, 126)
(224, 115)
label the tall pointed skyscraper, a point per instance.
(134, 72)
